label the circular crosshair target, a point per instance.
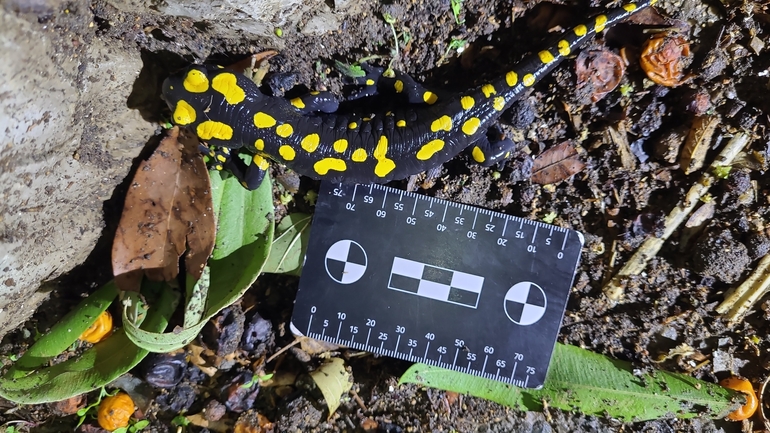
(525, 303)
(346, 261)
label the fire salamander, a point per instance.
(307, 134)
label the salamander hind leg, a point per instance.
(414, 92)
(377, 82)
(366, 85)
(314, 102)
(492, 148)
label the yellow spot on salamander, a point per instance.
(471, 125)
(260, 162)
(580, 30)
(382, 148)
(284, 130)
(196, 81)
(259, 144)
(563, 47)
(227, 84)
(498, 103)
(263, 120)
(211, 129)
(221, 158)
(399, 86)
(340, 145)
(298, 102)
(384, 164)
(369, 82)
(359, 155)
(310, 142)
(478, 154)
(443, 123)
(630, 7)
(528, 80)
(429, 97)
(184, 113)
(323, 166)
(366, 119)
(225, 150)
(218, 167)
(488, 90)
(287, 152)
(601, 22)
(652, 2)
(545, 56)
(401, 123)
(511, 78)
(467, 102)
(430, 149)
(352, 125)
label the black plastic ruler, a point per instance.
(428, 280)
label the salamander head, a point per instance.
(186, 93)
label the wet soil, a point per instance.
(616, 204)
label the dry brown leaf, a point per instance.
(197, 359)
(619, 137)
(698, 143)
(167, 210)
(199, 420)
(556, 164)
(312, 346)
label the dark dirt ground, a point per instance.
(616, 206)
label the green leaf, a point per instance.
(333, 380)
(65, 332)
(148, 340)
(241, 214)
(94, 368)
(579, 380)
(244, 236)
(353, 71)
(197, 292)
(289, 247)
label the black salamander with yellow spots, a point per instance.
(228, 111)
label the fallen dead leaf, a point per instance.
(619, 137)
(168, 210)
(199, 420)
(556, 164)
(197, 358)
(314, 347)
(698, 143)
(334, 381)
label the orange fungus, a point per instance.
(664, 59)
(99, 330)
(115, 411)
(744, 386)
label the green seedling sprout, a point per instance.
(256, 379)
(84, 412)
(457, 6)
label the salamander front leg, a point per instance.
(493, 148)
(250, 176)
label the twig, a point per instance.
(358, 400)
(283, 349)
(614, 290)
(742, 298)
